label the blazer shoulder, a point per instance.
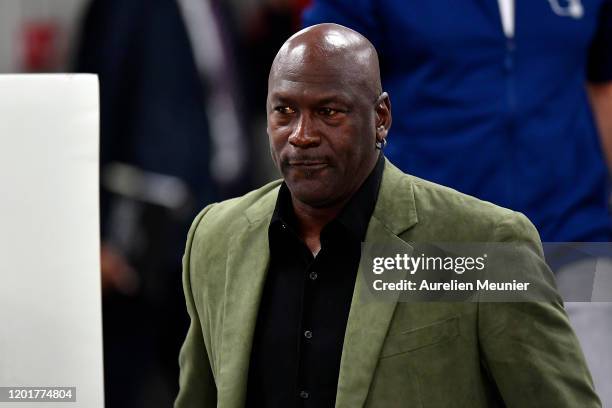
(453, 216)
(221, 218)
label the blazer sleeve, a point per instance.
(529, 348)
(196, 380)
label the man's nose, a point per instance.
(304, 134)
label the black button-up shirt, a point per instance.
(297, 345)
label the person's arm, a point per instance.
(600, 95)
(530, 350)
(196, 380)
(599, 75)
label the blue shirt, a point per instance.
(506, 120)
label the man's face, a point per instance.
(322, 130)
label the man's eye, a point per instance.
(328, 111)
(286, 110)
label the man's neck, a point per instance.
(311, 221)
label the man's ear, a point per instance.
(383, 116)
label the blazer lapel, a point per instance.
(369, 318)
(247, 266)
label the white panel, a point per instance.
(50, 307)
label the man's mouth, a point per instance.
(308, 164)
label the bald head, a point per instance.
(331, 48)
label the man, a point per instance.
(274, 284)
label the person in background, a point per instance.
(171, 142)
(493, 99)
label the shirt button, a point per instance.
(283, 226)
(313, 275)
(304, 394)
(308, 334)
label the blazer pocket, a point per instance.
(420, 337)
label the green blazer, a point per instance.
(394, 354)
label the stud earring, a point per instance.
(381, 144)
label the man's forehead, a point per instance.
(286, 89)
(324, 73)
(313, 75)
(341, 88)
